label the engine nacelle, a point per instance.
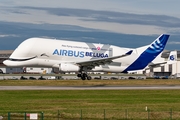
(67, 67)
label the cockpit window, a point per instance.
(12, 59)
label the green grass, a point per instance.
(53, 100)
(92, 102)
(45, 100)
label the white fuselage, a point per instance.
(71, 56)
(40, 52)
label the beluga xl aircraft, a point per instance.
(82, 57)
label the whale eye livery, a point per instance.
(82, 57)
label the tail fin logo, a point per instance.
(158, 45)
(172, 57)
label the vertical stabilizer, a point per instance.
(148, 53)
(172, 57)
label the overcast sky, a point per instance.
(141, 17)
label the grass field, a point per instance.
(72, 101)
(91, 101)
(89, 82)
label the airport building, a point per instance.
(162, 70)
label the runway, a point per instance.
(88, 87)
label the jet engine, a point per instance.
(67, 67)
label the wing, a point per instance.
(96, 62)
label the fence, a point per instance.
(93, 114)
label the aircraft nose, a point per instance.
(5, 62)
(9, 63)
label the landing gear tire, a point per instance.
(84, 76)
(79, 75)
(89, 78)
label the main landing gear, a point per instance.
(84, 76)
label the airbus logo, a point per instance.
(81, 54)
(172, 57)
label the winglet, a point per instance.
(129, 52)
